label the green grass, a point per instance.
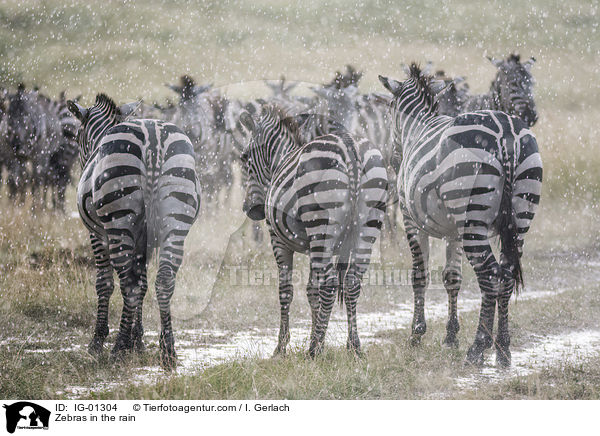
(395, 370)
(567, 381)
(389, 370)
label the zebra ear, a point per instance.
(321, 92)
(129, 108)
(426, 71)
(497, 63)
(289, 87)
(529, 63)
(79, 111)
(440, 89)
(247, 121)
(391, 85)
(197, 90)
(174, 88)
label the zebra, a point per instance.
(5, 151)
(510, 92)
(365, 115)
(464, 179)
(138, 192)
(33, 135)
(452, 93)
(63, 158)
(325, 198)
(201, 115)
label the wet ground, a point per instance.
(202, 348)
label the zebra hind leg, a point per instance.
(502, 343)
(419, 249)
(165, 286)
(104, 290)
(327, 279)
(131, 292)
(507, 285)
(452, 276)
(352, 287)
(285, 263)
(488, 276)
(138, 328)
(312, 292)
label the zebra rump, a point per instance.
(138, 192)
(325, 198)
(465, 179)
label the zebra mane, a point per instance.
(284, 117)
(425, 84)
(514, 57)
(110, 107)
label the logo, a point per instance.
(26, 415)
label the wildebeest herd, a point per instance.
(325, 172)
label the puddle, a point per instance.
(546, 351)
(198, 349)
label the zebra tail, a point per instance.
(151, 213)
(508, 229)
(352, 233)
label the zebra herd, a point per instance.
(322, 171)
(37, 145)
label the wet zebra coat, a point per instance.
(325, 198)
(33, 135)
(64, 157)
(511, 92)
(138, 193)
(465, 179)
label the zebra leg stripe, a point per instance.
(138, 328)
(452, 276)
(419, 249)
(507, 285)
(488, 276)
(285, 263)
(312, 292)
(104, 290)
(165, 286)
(352, 288)
(328, 282)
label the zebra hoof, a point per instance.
(415, 340)
(419, 328)
(451, 342)
(356, 352)
(167, 352)
(168, 361)
(503, 356)
(118, 354)
(475, 355)
(315, 349)
(354, 347)
(96, 347)
(123, 346)
(279, 351)
(138, 343)
(139, 346)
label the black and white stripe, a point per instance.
(33, 136)
(511, 92)
(325, 198)
(464, 179)
(138, 192)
